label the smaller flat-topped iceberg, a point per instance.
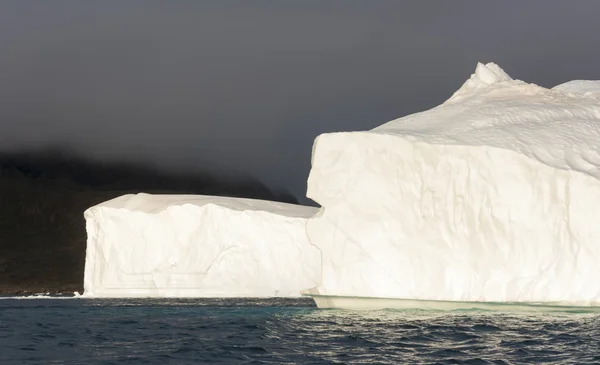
(493, 196)
(198, 246)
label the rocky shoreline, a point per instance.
(34, 292)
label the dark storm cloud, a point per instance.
(246, 86)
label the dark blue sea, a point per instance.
(283, 331)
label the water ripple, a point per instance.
(283, 331)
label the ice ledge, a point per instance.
(324, 301)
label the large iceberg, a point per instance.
(492, 196)
(198, 246)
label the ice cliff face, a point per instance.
(492, 196)
(198, 246)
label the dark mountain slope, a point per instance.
(42, 199)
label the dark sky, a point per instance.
(245, 86)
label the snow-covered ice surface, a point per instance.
(198, 246)
(580, 87)
(492, 196)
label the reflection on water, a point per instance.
(284, 331)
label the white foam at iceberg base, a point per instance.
(492, 196)
(198, 246)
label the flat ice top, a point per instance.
(147, 203)
(559, 127)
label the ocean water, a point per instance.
(283, 331)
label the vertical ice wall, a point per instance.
(492, 196)
(197, 246)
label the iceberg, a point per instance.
(492, 196)
(198, 246)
